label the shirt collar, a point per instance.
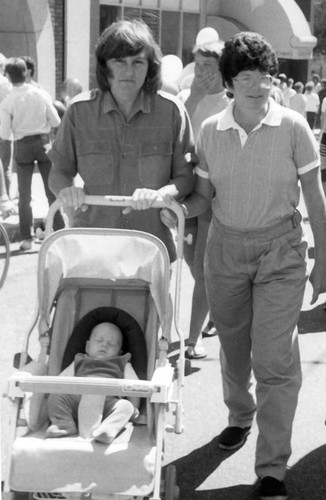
(273, 117)
(142, 103)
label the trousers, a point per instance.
(255, 283)
(27, 151)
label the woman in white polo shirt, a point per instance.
(254, 154)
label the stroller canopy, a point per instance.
(103, 254)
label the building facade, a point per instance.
(61, 35)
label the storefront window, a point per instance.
(173, 29)
(191, 21)
(170, 33)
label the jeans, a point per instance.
(27, 151)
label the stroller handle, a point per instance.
(124, 201)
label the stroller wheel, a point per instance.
(170, 484)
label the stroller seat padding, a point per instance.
(133, 337)
(75, 464)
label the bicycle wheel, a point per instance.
(4, 254)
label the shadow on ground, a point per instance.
(306, 480)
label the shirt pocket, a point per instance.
(96, 163)
(154, 163)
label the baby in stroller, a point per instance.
(106, 416)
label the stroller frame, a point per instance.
(159, 390)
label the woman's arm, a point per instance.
(200, 199)
(316, 207)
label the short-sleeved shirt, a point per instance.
(256, 176)
(116, 156)
(27, 110)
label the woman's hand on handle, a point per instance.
(142, 199)
(72, 196)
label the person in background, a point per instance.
(255, 155)
(322, 145)
(276, 92)
(7, 207)
(316, 83)
(205, 97)
(312, 104)
(298, 101)
(124, 138)
(70, 88)
(288, 92)
(28, 114)
(30, 64)
(321, 95)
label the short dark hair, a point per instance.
(247, 51)
(16, 69)
(30, 63)
(128, 38)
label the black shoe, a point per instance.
(233, 437)
(272, 489)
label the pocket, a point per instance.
(298, 246)
(96, 163)
(154, 164)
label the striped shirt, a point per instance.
(256, 176)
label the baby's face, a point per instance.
(105, 340)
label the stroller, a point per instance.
(81, 270)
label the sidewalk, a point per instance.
(39, 207)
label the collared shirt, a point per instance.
(313, 102)
(27, 110)
(256, 176)
(116, 156)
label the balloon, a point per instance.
(171, 67)
(207, 35)
(186, 82)
(187, 70)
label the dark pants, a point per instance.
(5, 157)
(311, 119)
(27, 151)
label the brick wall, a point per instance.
(57, 9)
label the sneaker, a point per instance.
(39, 233)
(196, 352)
(272, 489)
(233, 437)
(26, 245)
(209, 330)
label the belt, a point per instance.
(33, 137)
(282, 227)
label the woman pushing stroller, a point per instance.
(124, 138)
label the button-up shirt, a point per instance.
(27, 110)
(116, 156)
(255, 175)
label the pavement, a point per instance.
(204, 472)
